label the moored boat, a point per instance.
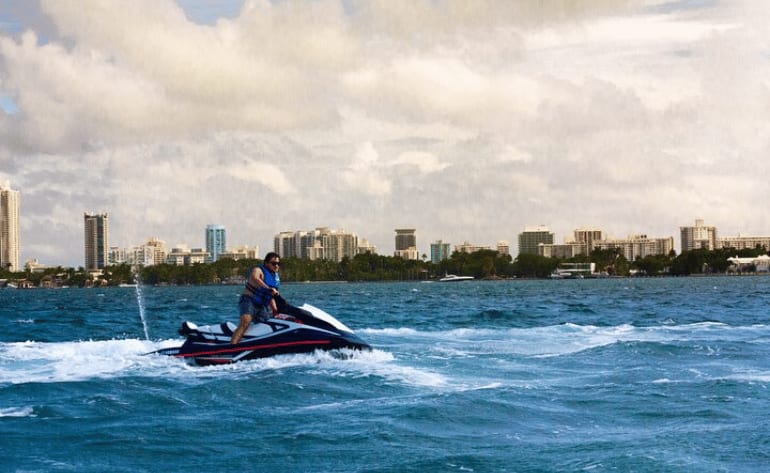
(455, 278)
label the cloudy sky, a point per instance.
(467, 120)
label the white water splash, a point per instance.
(136, 270)
(16, 412)
(36, 362)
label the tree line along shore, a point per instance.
(482, 264)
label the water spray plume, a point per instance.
(136, 270)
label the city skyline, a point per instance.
(466, 120)
(697, 236)
(98, 248)
(315, 244)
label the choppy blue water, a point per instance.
(648, 375)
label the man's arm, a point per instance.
(273, 307)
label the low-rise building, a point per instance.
(562, 251)
(633, 247)
(744, 242)
(408, 253)
(150, 253)
(638, 246)
(467, 247)
(35, 266)
(241, 252)
(759, 264)
(184, 256)
(364, 247)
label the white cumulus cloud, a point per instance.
(474, 119)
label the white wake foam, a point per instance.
(401, 355)
(36, 362)
(16, 412)
(553, 340)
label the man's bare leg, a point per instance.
(238, 334)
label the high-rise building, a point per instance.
(405, 238)
(585, 240)
(216, 241)
(322, 243)
(285, 244)
(10, 233)
(96, 240)
(698, 237)
(406, 244)
(439, 251)
(117, 255)
(587, 237)
(158, 250)
(531, 237)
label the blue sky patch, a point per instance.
(8, 105)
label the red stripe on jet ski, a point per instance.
(260, 347)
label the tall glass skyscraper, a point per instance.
(96, 240)
(439, 251)
(216, 241)
(10, 233)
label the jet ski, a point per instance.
(295, 330)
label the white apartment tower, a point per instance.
(158, 249)
(10, 234)
(698, 237)
(638, 246)
(587, 237)
(322, 243)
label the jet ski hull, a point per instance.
(302, 330)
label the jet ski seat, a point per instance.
(257, 329)
(228, 328)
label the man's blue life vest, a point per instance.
(262, 296)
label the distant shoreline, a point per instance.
(10, 283)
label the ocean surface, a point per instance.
(622, 375)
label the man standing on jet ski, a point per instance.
(261, 288)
